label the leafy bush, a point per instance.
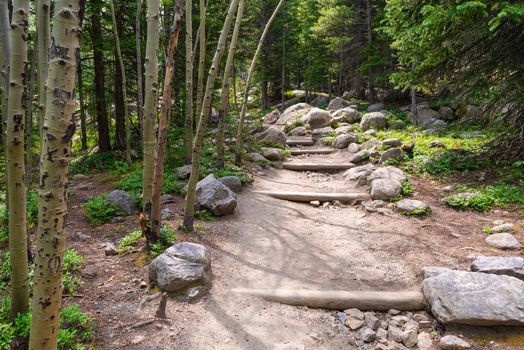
(129, 242)
(99, 162)
(99, 210)
(407, 188)
(167, 238)
(480, 202)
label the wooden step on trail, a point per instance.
(317, 166)
(297, 152)
(342, 300)
(300, 142)
(315, 196)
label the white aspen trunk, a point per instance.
(5, 49)
(201, 59)
(58, 130)
(139, 87)
(188, 139)
(238, 152)
(43, 30)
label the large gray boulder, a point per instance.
(413, 206)
(321, 132)
(388, 172)
(316, 118)
(503, 240)
(123, 201)
(343, 129)
(181, 266)
(337, 103)
(359, 173)
(215, 196)
(391, 154)
(293, 113)
(385, 189)
(346, 115)
(344, 140)
(500, 265)
(374, 120)
(376, 107)
(475, 298)
(298, 131)
(320, 100)
(359, 156)
(272, 136)
(183, 172)
(272, 117)
(425, 116)
(274, 154)
(232, 182)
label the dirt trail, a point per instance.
(271, 243)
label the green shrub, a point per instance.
(99, 210)
(7, 335)
(480, 202)
(99, 162)
(128, 243)
(167, 238)
(407, 188)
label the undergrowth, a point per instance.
(99, 210)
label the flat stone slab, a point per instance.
(500, 265)
(475, 298)
(300, 142)
(295, 152)
(503, 241)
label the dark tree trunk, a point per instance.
(120, 124)
(100, 101)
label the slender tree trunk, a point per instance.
(29, 120)
(189, 214)
(340, 71)
(124, 88)
(150, 99)
(201, 59)
(42, 28)
(162, 130)
(15, 159)
(83, 126)
(59, 129)
(371, 86)
(104, 142)
(224, 103)
(5, 52)
(238, 152)
(188, 139)
(139, 87)
(283, 88)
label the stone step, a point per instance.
(317, 166)
(300, 142)
(297, 152)
(315, 196)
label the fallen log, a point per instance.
(316, 166)
(296, 152)
(300, 142)
(341, 300)
(314, 196)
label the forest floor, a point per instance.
(271, 243)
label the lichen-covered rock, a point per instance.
(337, 103)
(298, 131)
(413, 206)
(316, 118)
(475, 298)
(183, 172)
(215, 196)
(500, 265)
(374, 120)
(425, 116)
(346, 115)
(385, 189)
(271, 136)
(181, 266)
(272, 117)
(293, 113)
(359, 156)
(275, 154)
(232, 182)
(123, 201)
(391, 154)
(343, 141)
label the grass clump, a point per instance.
(293, 124)
(478, 202)
(99, 210)
(407, 188)
(418, 212)
(98, 162)
(129, 243)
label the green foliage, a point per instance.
(407, 188)
(418, 212)
(480, 202)
(72, 263)
(487, 230)
(99, 210)
(97, 162)
(293, 124)
(32, 206)
(129, 243)
(166, 239)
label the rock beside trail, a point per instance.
(346, 115)
(425, 116)
(375, 107)
(432, 271)
(374, 120)
(359, 173)
(385, 189)
(321, 132)
(353, 148)
(451, 342)
(343, 129)
(298, 131)
(274, 154)
(256, 157)
(316, 118)
(215, 196)
(388, 172)
(392, 143)
(503, 240)
(344, 140)
(424, 341)
(475, 298)
(391, 154)
(293, 113)
(446, 113)
(232, 182)
(359, 156)
(79, 177)
(460, 196)
(181, 266)
(412, 206)
(337, 103)
(500, 265)
(320, 100)
(123, 201)
(354, 318)
(183, 172)
(272, 136)
(272, 117)
(436, 144)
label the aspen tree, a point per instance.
(188, 138)
(58, 130)
(201, 58)
(243, 112)
(150, 98)
(189, 214)
(163, 124)
(15, 163)
(5, 49)
(124, 88)
(42, 28)
(224, 103)
(138, 40)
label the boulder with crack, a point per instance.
(215, 196)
